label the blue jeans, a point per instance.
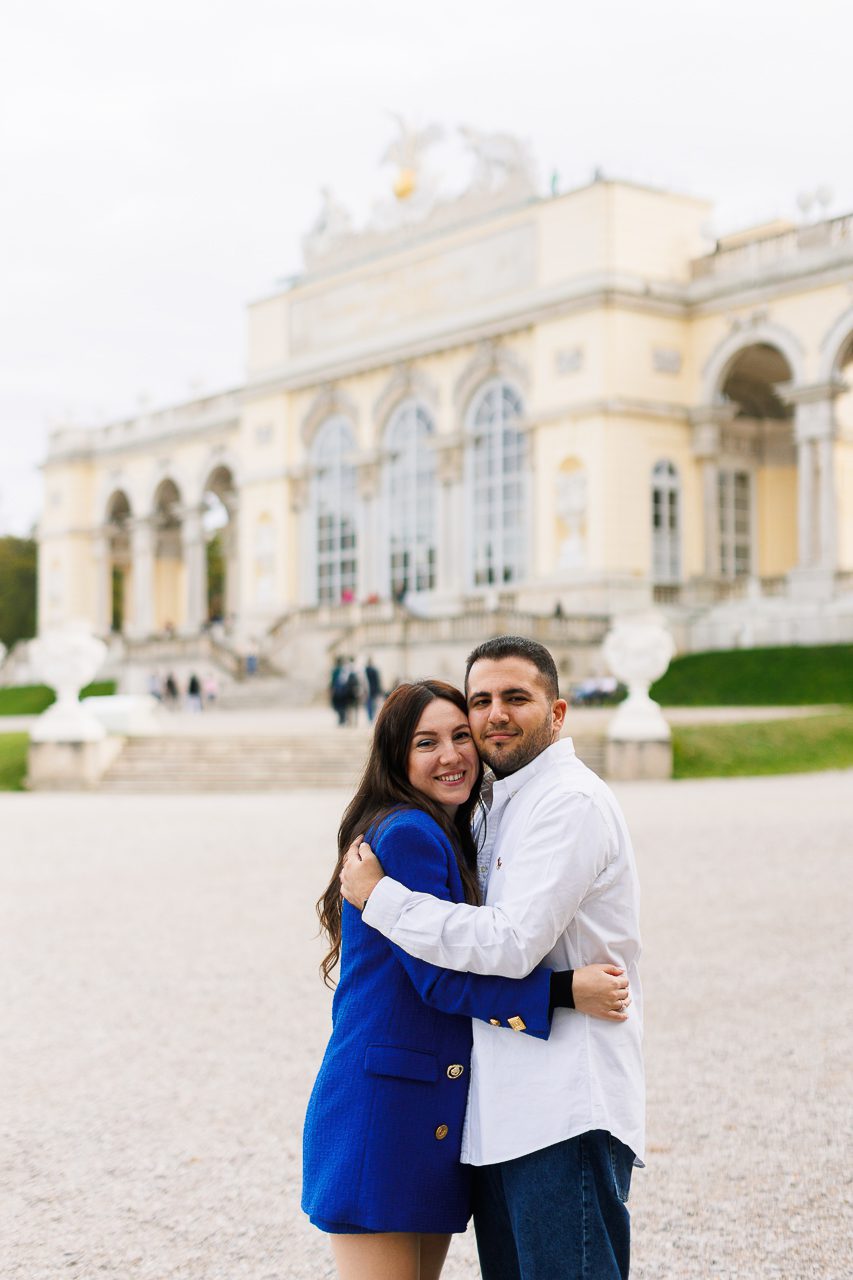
(556, 1214)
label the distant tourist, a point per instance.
(373, 691)
(210, 687)
(155, 686)
(354, 690)
(171, 691)
(338, 695)
(194, 693)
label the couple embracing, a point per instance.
(486, 1043)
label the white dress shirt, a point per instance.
(562, 893)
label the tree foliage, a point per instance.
(18, 557)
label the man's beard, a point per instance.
(510, 756)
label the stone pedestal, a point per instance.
(69, 748)
(637, 761)
(639, 742)
(70, 766)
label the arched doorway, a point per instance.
(119, 566)
(219, 502)
(756, 481)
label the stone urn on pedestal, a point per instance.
(69, 747)
(638, 651)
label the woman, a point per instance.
(383, 1132)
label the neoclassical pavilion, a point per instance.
(572, 401)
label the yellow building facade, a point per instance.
(570, 404)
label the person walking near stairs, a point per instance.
(373, 681)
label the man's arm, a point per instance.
(567, 845)
(524, 1005)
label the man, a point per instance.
(553, 1127)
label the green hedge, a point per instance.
(801, 745)
(32, 699)
(783, 677)
(13, 760)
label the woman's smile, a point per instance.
(443, 763)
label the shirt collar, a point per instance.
(507, 787)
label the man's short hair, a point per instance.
(501, 647)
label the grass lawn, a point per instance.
(792, 676)
(771, 746)
(13, 760)
(785, 677)
(32, 699)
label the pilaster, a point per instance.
(450, 469)
(195, 563)
(103, 581)
(708, 423)
(368, 476)
(815, 430)
(142, 552)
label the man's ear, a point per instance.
(558, 711)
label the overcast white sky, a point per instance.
(160, 161)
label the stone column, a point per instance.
(708, 422)
(231, 553)
(101, 554)
(815, 431)
(828, 528)
(452, 549)
(195, 564)
(805, 503)
(142, 553)
(711, 516)
(299, 501)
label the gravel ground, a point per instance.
(162, 1021)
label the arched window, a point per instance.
(334, 511)
(666, 525)
(497, 483)
(410, 500)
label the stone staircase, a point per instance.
(238, 763)
(258, 763)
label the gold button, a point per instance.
(517, 1024)
(441, 1132)
(455, 1071)
(496, 1022)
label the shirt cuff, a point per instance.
(387, 899)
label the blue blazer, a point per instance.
(384, 1126)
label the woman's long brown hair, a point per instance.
(385, 788)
